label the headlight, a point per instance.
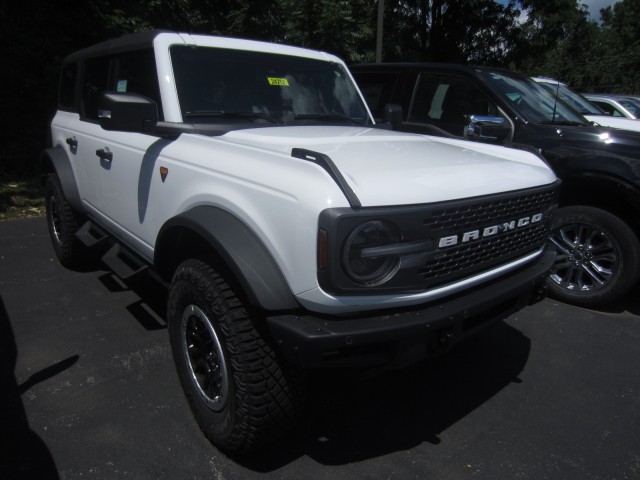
(369, 255)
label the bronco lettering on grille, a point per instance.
(489, 231)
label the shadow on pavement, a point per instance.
(23, 453)
(352, 419)
(629, 303)
(150, 310)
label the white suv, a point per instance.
(291, 231)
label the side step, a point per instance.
(123, 263)
(92, 236)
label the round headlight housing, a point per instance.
(364, 257)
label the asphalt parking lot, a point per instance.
(88, 390)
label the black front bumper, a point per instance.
(400, 337)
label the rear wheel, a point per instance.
(598, 257)
(241, 393)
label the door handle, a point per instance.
(73, 144)
(105, 154)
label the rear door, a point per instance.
(88, 134)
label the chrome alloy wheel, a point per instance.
(586, 258)
(204, 356)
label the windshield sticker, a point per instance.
(122, 86)
(278, 82)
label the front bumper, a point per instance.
(403, 336)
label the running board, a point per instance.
(92, 236)
(123, 263)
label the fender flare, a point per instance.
(56, 159)
(242, 251)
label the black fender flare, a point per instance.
(236, 244)
(55, 159)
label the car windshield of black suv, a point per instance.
(532, 101)
(577, 101)
(224, 85)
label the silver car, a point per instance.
(616, 106)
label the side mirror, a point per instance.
(392, 115)
(486, 128)
(127, 112)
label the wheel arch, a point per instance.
(603, 191)
(212, 233)
(55, 160)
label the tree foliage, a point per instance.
(544, 37)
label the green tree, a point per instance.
(619, 62)
(549, 23)
(463, 31)
(343, 27)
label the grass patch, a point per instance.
(20, 199)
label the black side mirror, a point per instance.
(486, 128)
(128, 112)
(392, 114)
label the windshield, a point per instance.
(575, 100)
(216, 83)
(532, 102)
(631, 105)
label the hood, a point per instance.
(594, 140)
(615, 122)
(391, 168)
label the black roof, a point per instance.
(410, 66)
(133, 41)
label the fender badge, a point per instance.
(164, 171)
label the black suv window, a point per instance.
(135, 72)
(530, 100)
(447, 101)
(377, 88)
(96, 80)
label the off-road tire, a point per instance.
(598, 257)
(63, 222)
(241, 393)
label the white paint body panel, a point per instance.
(251, 174)
(615, 122)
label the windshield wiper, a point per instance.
(229, 114)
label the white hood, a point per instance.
(615, 122)
(391, 168)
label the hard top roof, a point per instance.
(133, 41)
(410, 66)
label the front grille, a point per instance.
(463, 259)
(492, 211)
(425, 264)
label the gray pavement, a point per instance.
(88, 390)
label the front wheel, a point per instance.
(63, 223)
(241, 394)
(598, 258)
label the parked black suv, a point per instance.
(596, 232)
